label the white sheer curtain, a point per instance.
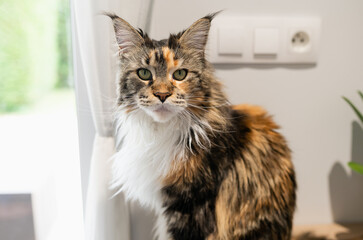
(106, 218)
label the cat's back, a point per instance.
(256, 129)
(261, 183)
(253, 117)
(263, 148)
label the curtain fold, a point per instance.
(106, 217)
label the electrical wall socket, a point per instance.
(264, 39)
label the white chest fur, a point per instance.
(147, 150)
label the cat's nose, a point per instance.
(162, 95)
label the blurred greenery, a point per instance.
(353, 165)
(64, 69)
(34, 50)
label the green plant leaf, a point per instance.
(355, 109)
(360, 94)
(356, 167)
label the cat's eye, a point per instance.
(180, 74)
(144, 74)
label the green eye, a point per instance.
(180, 74)
(144, 74)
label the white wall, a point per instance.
(305, 100)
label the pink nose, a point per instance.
(162, 95)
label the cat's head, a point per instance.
(163, 78)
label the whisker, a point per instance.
(198, 107)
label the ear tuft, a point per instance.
(211, 16)
(111, 15)
(127, 37)
(196, 36)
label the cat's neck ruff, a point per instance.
(147, 151)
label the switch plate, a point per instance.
(266, 41)
(230, 41)
(262, 51)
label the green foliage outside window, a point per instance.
(33, 50)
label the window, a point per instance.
(40, 190)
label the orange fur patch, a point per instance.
(169, 58)
(257, 117)
(183, 171)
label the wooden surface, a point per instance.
(329, 232)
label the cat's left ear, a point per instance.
(196, 36)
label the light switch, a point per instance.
(230, 41)
(239, 39)
(266, 41)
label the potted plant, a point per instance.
(353, 165)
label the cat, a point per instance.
(210, 170)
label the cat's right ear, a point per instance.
(127, 37)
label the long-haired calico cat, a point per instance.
(209, 170)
